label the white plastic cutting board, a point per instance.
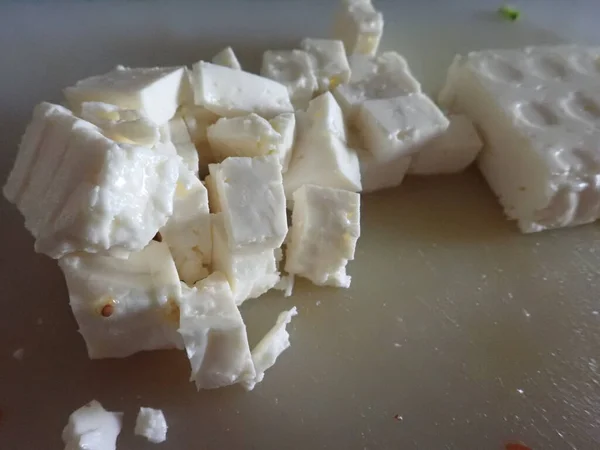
(457, 333)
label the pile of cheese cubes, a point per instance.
(162, 192)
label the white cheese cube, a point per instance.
(399, 126)
(329, 61)
(273, 344)
(250, 274)
(197, 120)
(124, 306)
(91, 427)
(538, 113)
(151, 424)
(121, 125)
(321, 155)
(377, 175)
(188, 231)
(384, 76)
(227, 58)
(94, 195)
(185, 148)
(295, 70)
(214, 334)
(325, 228)
(452, 151)
(156, 92)
(229, 93)
(359, 26)
(252, 200)
(252, 136)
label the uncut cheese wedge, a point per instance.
(230, 93)
(214, 334)
(80, 191)
(124, 306)
(325, 229)
(384, 76)
(538, 111)
(321, 155)
(250, 273)
(270, 347)
(227, 58)
(156, 92)
(188, 230)
(452, 151)
(359, 26)
(252, 136)
(252, 201)
(91, 427)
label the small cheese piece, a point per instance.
(377, 175)
(151, 424)
(538, 112)
(121, 125)
(214, 334)
(359, 26)
(453, 151)
(329, 61)
(325, 228)
(156, 92)
(295, 70)
(197, 120)
(250, 192)
(91, 427)
(399, 126)
(321, 155)
(227, 58)
(384, 76)
(86, 192)
(230, 93)
(250, 274)
(286, 284)
(188, 231)
(252, 136)
(124, 306)
(180, 137)
(214, 202)
(273, 344)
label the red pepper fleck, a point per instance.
(516, 446)
(107, 310)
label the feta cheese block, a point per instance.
(227, 58)
(359, 26)
(452, 151)
(321, 155)
(329, 61)
(538, 113)
(252, 136)
(121, 125)
(181, 139)
(384, 76)
(124, 306)
(230, 93)
(156, 92)
(214, 334)
(399, 126)
(86, 192)
(295, 70)
(250, 274)
(151, 424)
(273, 344)
(382, 174)
(91, 427)
(188, 230)
(252, 200)
(325, 228)
(197, 120)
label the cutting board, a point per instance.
(457, 333)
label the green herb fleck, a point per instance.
(509, 13)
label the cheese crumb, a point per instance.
(151, 424)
